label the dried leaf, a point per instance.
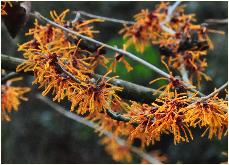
(17, 16)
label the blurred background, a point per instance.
(38, 134)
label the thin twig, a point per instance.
(121, 51)
(9, 76)
(210, 95)
(68, 73)
(92, 125)
(117, 116)
(104, 18)
(171, 9)
(217, 21)
(215, 92)
(183, 71)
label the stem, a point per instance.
(217, 21)
(209, 96)
(68, 73)
(171, 9)
(8, 77)
(184, 73)
(117, 116)
(104, 18)
(215, 92)
(182, 69)
(92, 125)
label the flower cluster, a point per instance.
(210, 114)
(66, 67)
(178, 38)
(161, 117)
(119, 152)
(176, 114)
(11, 98)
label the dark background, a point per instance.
(38, 134)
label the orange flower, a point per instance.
(11, 98)
(210, 114)
(187, 44)
(94, 96)
(162, 117)
(117, 151)
(120, 58)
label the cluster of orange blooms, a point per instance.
(187, 43)
(11, 98)
(63, 66)
(118, 151)
(66, 68)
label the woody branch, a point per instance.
(10, 63)
(130, 91)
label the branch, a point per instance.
(121, 51)
(131, 91)
(8, 77)
(92, 125)
(68, 73)
(182, 69)
(210, 95)
(184, 72)
(103, 18)
(217, 21)
(215, 92)
(117, 116)
(171, 9)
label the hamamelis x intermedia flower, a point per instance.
(94, 96)
(65, 68)
(11, 98)
(210, 115)
(188, 44)
(161, 117)
(117, 151)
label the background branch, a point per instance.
(103, 18)
(217, 21)
(90, 124)
(9, 76)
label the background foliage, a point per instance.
(37, 134)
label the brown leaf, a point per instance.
(17, 16)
